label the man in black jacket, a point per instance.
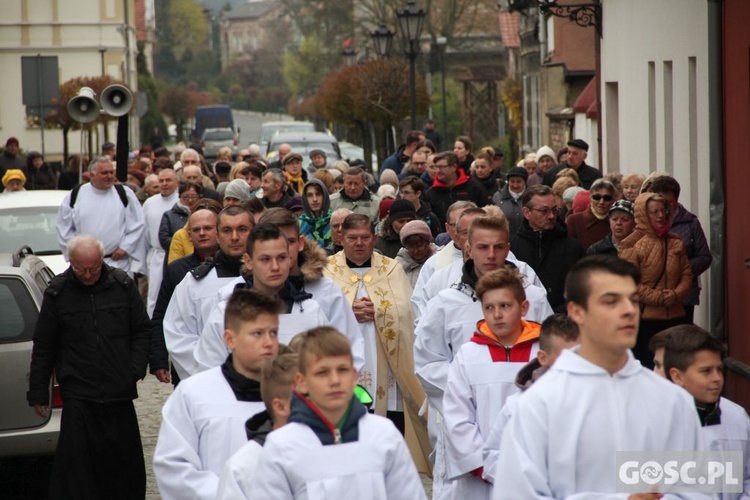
(202, 231)
(93, 330)
(577, 152)
(451, 184)
(543, 243)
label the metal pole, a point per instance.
(442, 78)
(39, 96)
(413, 88)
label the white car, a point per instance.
(28, 218)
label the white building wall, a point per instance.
(656, 53)
(74, 31)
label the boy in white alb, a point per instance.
(276, 389)
(692, 360)
(269, 261)
(563, 438)
(482, 376)
(331, 448)
(558, 332)
(203, 421)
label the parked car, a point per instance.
(351, 152)
(30, 218)
(23, 279)
(268, 130)
(214, 139)
(303, 143)
(214, 116)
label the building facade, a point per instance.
(87, 38)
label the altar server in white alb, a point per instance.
(454, 314)
(108, 211)
(447, 255)
(693, 360)
(597, 399)
(482, 376)
(196, 295)
(308, 262)
(203, 421)
(277, 382)
(267, 258)
(331, 448)
(153, 210)
(558, 332)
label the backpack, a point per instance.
(118, 187)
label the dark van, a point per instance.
(219, 116)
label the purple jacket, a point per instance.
(699, 255)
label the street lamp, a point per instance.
(350, 56)
(382, 38)
(102, 50)
(442, 42)
(410, 22)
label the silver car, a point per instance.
(23, 279)
(216, 138)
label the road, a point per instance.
(250, 124)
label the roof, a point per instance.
(586, 101)
(509, 29)
(252, 10)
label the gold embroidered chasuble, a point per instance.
(389, 290)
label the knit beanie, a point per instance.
(237, 189)
(415, 228)
(402, 209)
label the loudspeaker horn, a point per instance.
(117, 100)
(83, 108)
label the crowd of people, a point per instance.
(409, 316)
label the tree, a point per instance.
(188, 28)
(304, 68)
(180, 105)
(152, 120)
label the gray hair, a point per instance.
(459, 205)
(276, 174)
(341, 211)
(150, 179)
(188, 152)
(96, 161)
(84, 240)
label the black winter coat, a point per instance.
(41, 178)
(551, 254)
(512, 209)
(96, 338)
(173, 219)
(174, 273)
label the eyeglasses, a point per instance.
(605, 197)
(189, 197)
(419, 163)
(660, 211)
(545, 211)
(84, 270)
(444, 166)
(337, 226)
(205, 229)
(417, 246)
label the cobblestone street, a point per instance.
(152, 396)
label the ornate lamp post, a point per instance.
(350, 56)
(382, 38)
(410, 22)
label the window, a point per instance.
(18, 313)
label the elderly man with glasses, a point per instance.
(93, 331)
(543, 243)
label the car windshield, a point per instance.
(219, 135)
(302, 127)
(33, 226)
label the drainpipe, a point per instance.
(717, 324)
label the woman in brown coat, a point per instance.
(592, 224)
(666, 276)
